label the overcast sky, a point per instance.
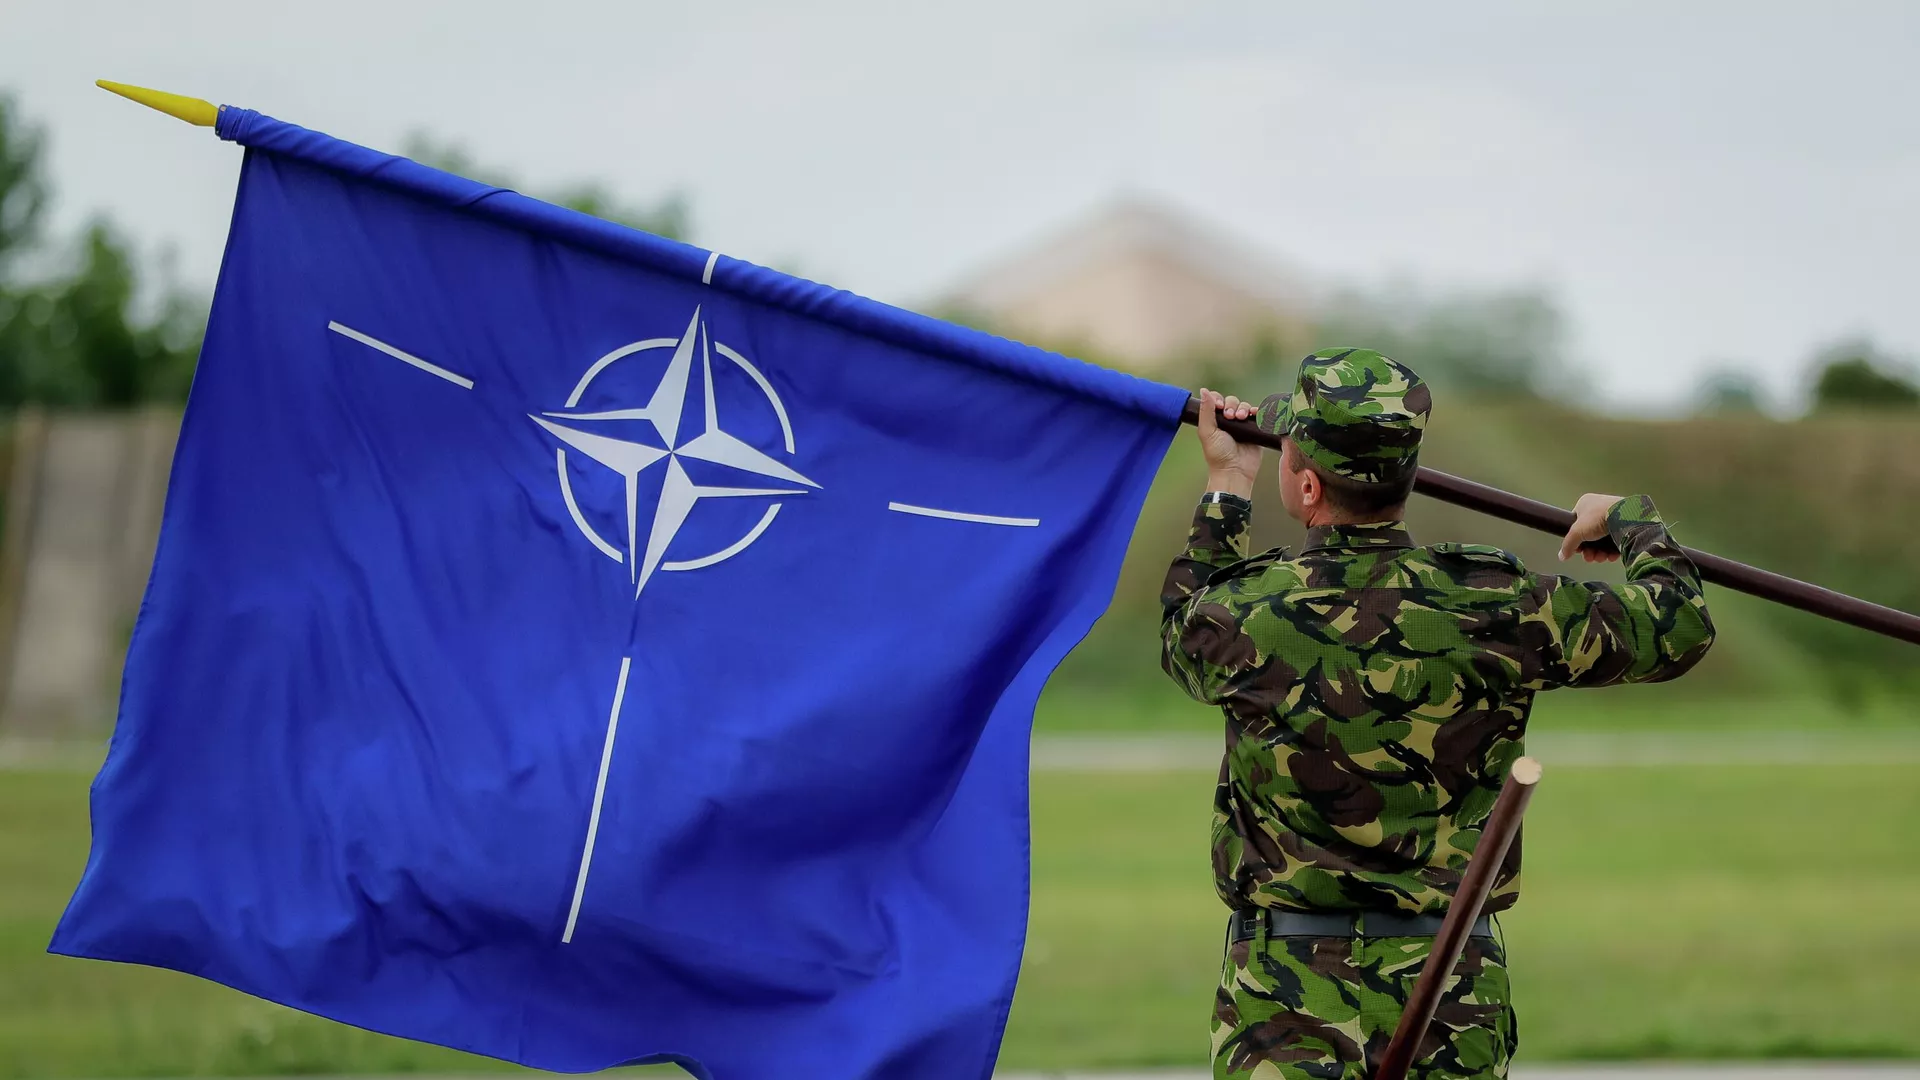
(1700, 183)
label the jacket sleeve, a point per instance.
(1201, 644)
(1652, 628)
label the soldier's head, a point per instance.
(1352, 423)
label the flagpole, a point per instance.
(1715, 569)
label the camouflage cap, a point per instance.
(1353, 412)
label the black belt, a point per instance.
(1248, 922)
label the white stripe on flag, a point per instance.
(955, 515)
(401, 354)
(599, 792)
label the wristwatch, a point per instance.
(1226, 498)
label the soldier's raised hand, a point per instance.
(1231, 465)
(1589, 524)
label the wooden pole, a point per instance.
(1714, 569)
(1496, 836)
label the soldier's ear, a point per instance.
(1311, 489)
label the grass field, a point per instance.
(1673, 912)
(1668, 912)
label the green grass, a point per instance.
(1743, 911)
(1667, 912)
(1155, 705)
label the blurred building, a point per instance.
(83, 499)
(1141, 286)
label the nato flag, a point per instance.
(570, 646)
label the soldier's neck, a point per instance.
(1322, 516)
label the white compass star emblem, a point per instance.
(665, 410)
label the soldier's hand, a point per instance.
(1231, 465)
(1589, 524)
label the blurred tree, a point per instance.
(1487, 345)
(76, 326)
(101, 348)
(1854, 373)
(23, 200)
(23, 191)
(1729, 390)
(669, 217)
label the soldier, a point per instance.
(1375, 694)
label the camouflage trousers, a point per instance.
(1301, 1008)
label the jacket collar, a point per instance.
(1379, 534)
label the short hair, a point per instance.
(1350, 497)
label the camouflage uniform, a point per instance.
(1375, 694)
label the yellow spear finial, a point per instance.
(192, 110)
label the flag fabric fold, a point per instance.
(576, 647)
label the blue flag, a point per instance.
(575, 647)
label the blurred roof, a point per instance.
(1138, 283)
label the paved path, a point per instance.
(1756, 1070)
(17, 752)
(22, 752)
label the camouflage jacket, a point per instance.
(1376, 693)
